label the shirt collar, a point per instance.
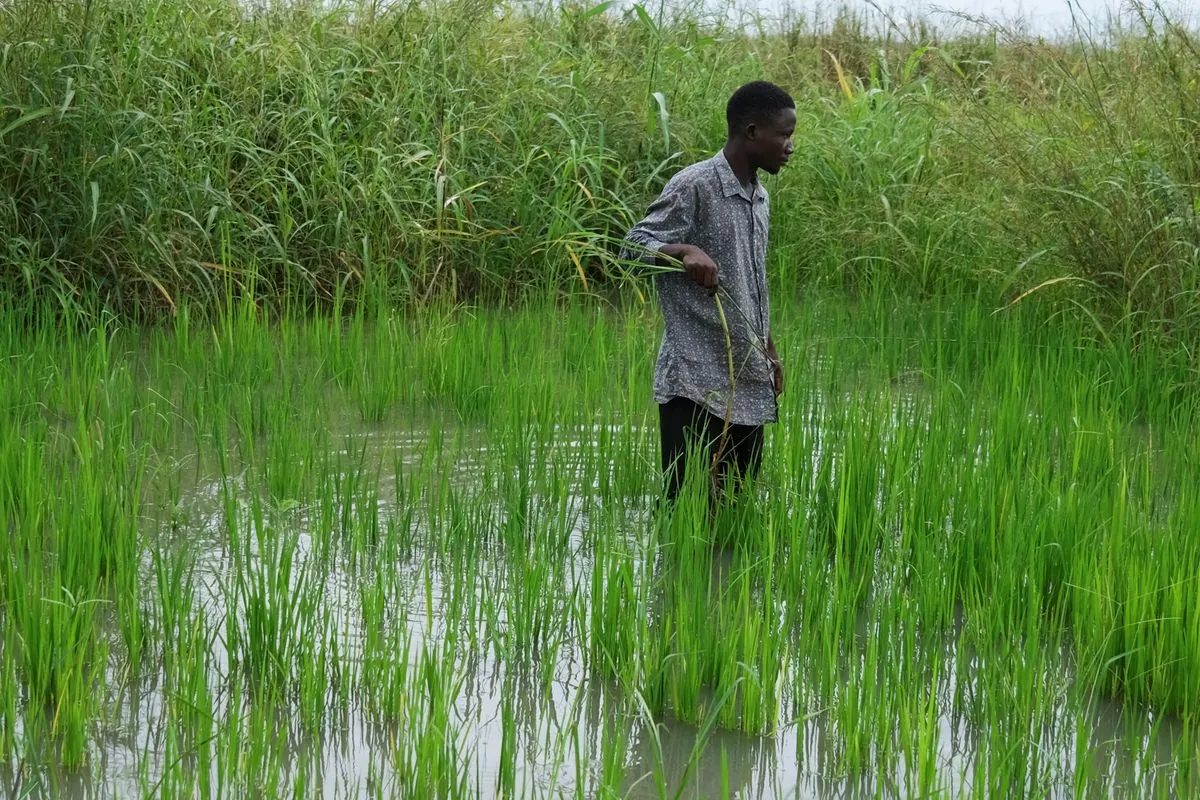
(730, 185)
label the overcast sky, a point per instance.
(1044, 17)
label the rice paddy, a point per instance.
(418, 553)
(330, 465)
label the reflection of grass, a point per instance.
(911, 558)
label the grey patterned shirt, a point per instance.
(705, 205)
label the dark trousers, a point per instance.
(685, 427)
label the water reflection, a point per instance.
(542, 723)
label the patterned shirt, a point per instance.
(706, 205)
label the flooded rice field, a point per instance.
(224, 580)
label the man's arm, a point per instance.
(662, 237)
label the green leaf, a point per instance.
(597, 10)
(25, 118)
(70, 95)
(951, 63)
(644, 16)
(910, 66)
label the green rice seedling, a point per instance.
(470, 587)
(8, 696)
(850, 711)
(252, 748)
(174, 583)
(190, 738)
(108, 499)
(1186, 756)
(431, 756)
(616, 614)
(679, 629)
(562, 740)
(377, 363)
(52, 574)
(1082, 756)
(400, 526)
(134, 627)
(357, 499)
(532, 601)
(62, 663)
(271, 603)
(614, 746)
(506, 779)
(318, 675)
(387, 677)
(925, 741)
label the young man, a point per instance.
(712, 219)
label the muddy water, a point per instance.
(562, 713)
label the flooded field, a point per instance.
(422, 557)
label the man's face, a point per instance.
(771, 140)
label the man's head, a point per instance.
(762, 118)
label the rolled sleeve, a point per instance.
(669, 220)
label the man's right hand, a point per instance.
(700, 268)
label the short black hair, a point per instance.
(755, 102)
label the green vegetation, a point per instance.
(966, 554)
(331, 462)
(158, 151)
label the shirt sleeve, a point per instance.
(671, 219)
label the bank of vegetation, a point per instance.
(154, 154)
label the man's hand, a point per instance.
(701, 269)
(696, 263)
(776, 366)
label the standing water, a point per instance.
(482, 601)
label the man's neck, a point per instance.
(740, 164)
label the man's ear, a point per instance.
(752, 131)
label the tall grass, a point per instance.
(156, 152)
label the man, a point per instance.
(711, 219)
